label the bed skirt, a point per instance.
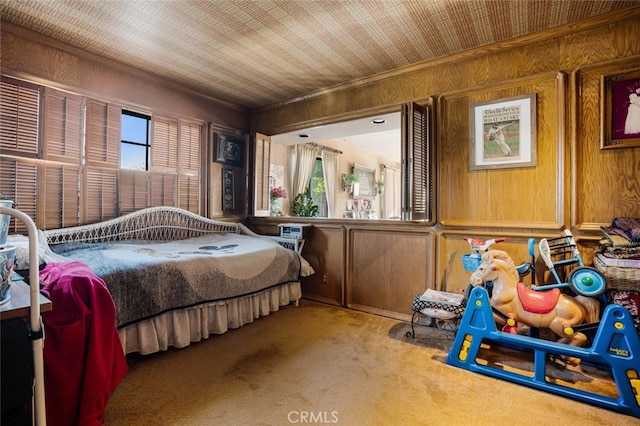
(182, 327)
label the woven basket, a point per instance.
(470, 262)
(619, 278)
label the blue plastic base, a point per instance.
(616, 345)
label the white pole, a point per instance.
(39, 411)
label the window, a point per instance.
(135, 146)
(69, 160)
(317, 189)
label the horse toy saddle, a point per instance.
(538, 302)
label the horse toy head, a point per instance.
(492, 263)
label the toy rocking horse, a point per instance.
(540, 309)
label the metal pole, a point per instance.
(39, 411)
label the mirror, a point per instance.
(370, 143)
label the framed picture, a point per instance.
(228, 150)
(228, 199)
(503, 133)
(366, 181)
(620, 110)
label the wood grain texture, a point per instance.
(324, 249)
(28, 56)
(531, 196)
(387, 269)
(605, 182)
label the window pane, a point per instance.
(134, 129)
(133, 157)
(317, 189)
(135, 150)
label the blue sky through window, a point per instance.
(135, 141)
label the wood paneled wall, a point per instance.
(387, 268)
(574, 184)
(523, 197)
(604, 183)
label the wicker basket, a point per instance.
(471, 261)
(619, 278)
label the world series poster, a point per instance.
(503, 133)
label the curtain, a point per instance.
(391, 194)
(330, 175)
(303, 157)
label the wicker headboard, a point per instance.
(153, 223)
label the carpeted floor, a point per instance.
(318, 364)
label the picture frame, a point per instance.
(366, 182)
(228, 190)
(620, 110)
(503, 133)
(228, 150)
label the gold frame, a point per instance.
(615, 90)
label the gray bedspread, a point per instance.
(149, 278)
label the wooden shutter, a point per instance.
(18, 183)
(62, 143)
(61, 196)
(163, 189)
(63, 126)
(19, 137)
(164, 146)
(262, 162)
(189, 165)
(133, 190)
(416, 161)
(19, 118)
(189, 192)
(189, 147)
(103, 134)
(100, 194)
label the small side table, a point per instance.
(18, 305)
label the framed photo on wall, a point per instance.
(228, 199)
(620, 110)
(366, 182)
(228, 150)
(503, 133)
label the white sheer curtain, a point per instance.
(302, 159)
(330, 174)
(391, 194)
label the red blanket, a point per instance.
(83, 357)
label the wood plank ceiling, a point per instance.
(256, 53)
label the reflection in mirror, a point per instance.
(373, 143)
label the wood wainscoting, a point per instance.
(388, 267)
(372, 266)
(379, 266)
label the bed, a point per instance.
(176, 277)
